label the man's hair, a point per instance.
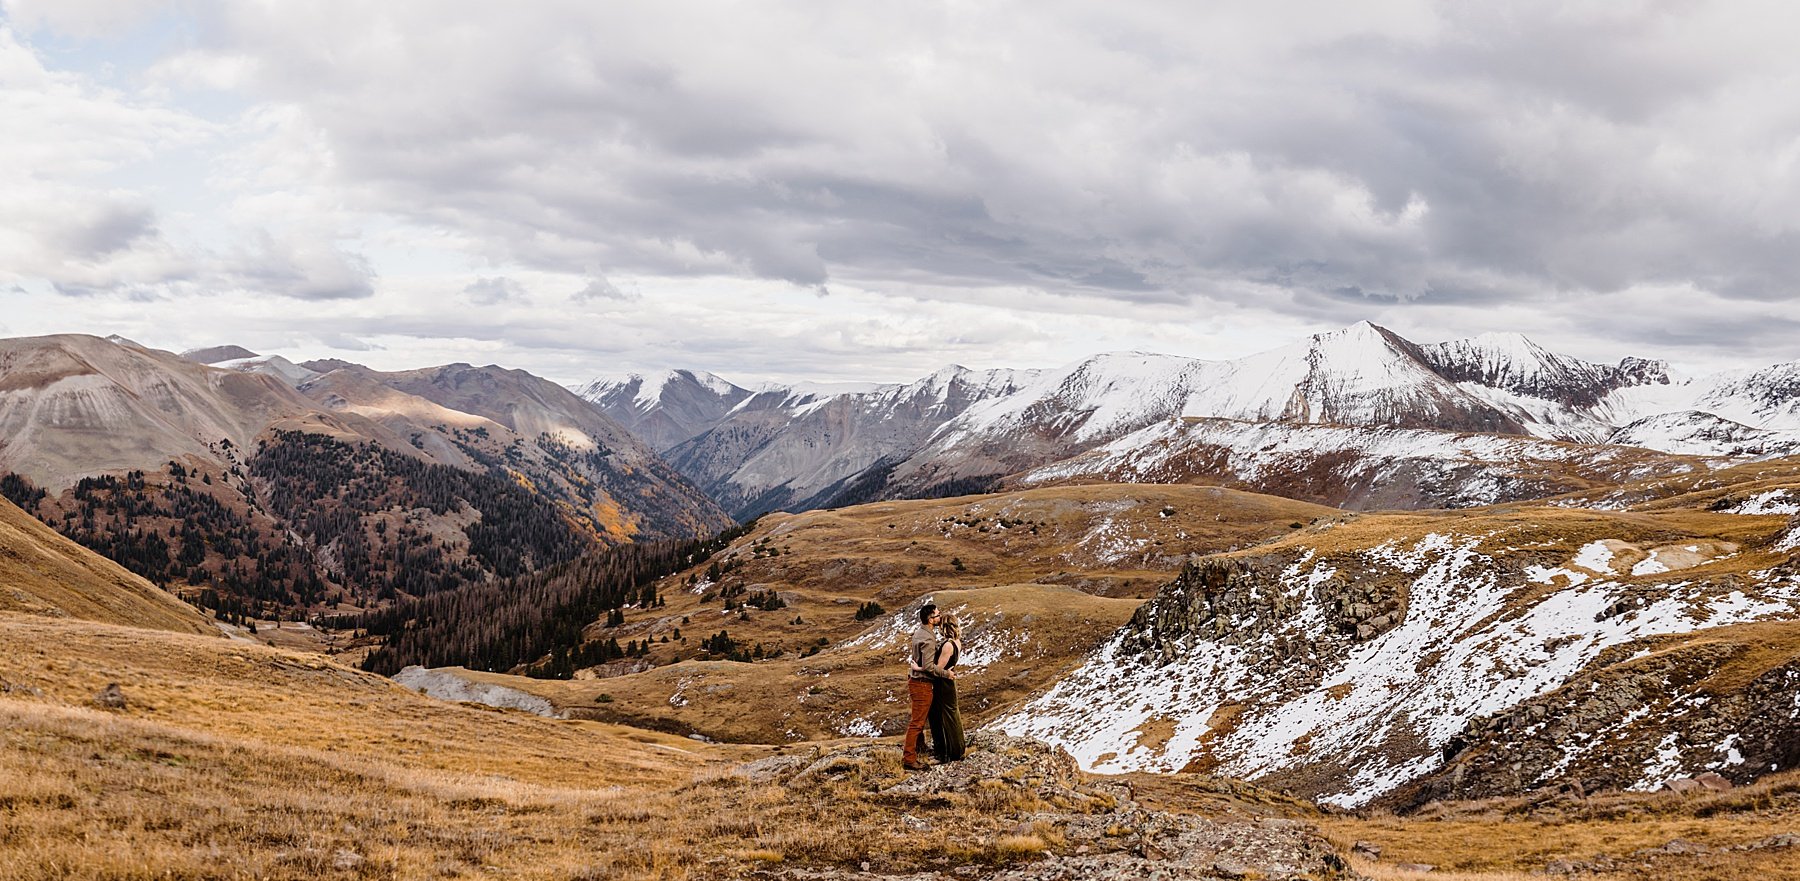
(926, 611)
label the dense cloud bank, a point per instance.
(905, 185)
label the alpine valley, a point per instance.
(1354, 607)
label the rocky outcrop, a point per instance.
(1231, 601)
(110, 697)
(1646, 715)
(1101, 830)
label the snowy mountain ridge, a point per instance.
(966, 429)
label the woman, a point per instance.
(946, 718)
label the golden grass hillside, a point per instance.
(1551, 535)
(43, 573)
(232, 761)
(1699, 488)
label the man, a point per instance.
(922, 653)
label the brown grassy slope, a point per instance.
(239, 761)
(236, 760)
(1021, 638)
(290, 699)
(43, 573)
(1549, 535)
(1606, 836)
(1755, 649)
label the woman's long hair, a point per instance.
(952, 628)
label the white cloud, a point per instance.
(489, 291)
(598, 287)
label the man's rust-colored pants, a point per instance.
(920, 689)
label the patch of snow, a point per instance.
(1663, 766)
(1543, 575)
(445, 685)
(858, 727)
(1595, 556)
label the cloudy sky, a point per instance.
(804, 190)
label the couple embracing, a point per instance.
(931, 682)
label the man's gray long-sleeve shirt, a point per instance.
(924, 650)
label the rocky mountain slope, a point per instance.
(254, 492)
(785, 449)
(665, 409)
(494, 418)
(1346, 662)
(1664, 708)
(74, 406)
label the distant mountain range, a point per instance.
(1359, 418)
(958, 430)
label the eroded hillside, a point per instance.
(259, 498)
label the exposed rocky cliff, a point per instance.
(1340, 663)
